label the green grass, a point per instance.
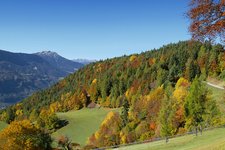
(82, 123)
(3, 125)
(218, 95)
(210, 140)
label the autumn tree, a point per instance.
(64, 143)
(207, 19)
(48, 120)
(94, 91)
(179, 95)
(33, 115)
(195, 105)
(142, 131)
(108, 133)
(20, 135)
(166, 114)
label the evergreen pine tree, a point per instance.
(195, 105)
(124, 112)
(166, 115)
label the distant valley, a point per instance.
(22, 74)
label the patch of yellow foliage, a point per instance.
(181, 90)
(182, 82)
(132, 58)
(155, 94)
(123, 138)
(17, 136)
(94, 81)
(108, 117)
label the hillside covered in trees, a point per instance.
(160, 92)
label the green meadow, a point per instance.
(209, 140)
(3, 125)
(81, 123)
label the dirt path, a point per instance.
(214, 85)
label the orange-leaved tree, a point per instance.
(207, 19)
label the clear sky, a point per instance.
(93, 29)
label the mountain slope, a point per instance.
(22, 74)
(139, 83)
(106, 82)
(60, 62)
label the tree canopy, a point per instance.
(207, 19)
(22, 135)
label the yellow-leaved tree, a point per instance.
(179, 94)
(109, 131)
(23, 135)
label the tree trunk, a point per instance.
(167, 139)
(196, 131)
(201, 129)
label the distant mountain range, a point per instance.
(22, 74)
(84, 61)
(60, 62)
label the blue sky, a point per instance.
(93, 29)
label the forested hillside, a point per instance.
(153, 88)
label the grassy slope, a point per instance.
(2, 125)
(82, 123)
(213, 139)
(218, 95)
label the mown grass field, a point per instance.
(3, 125)
(209, 140)
(82, 123)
